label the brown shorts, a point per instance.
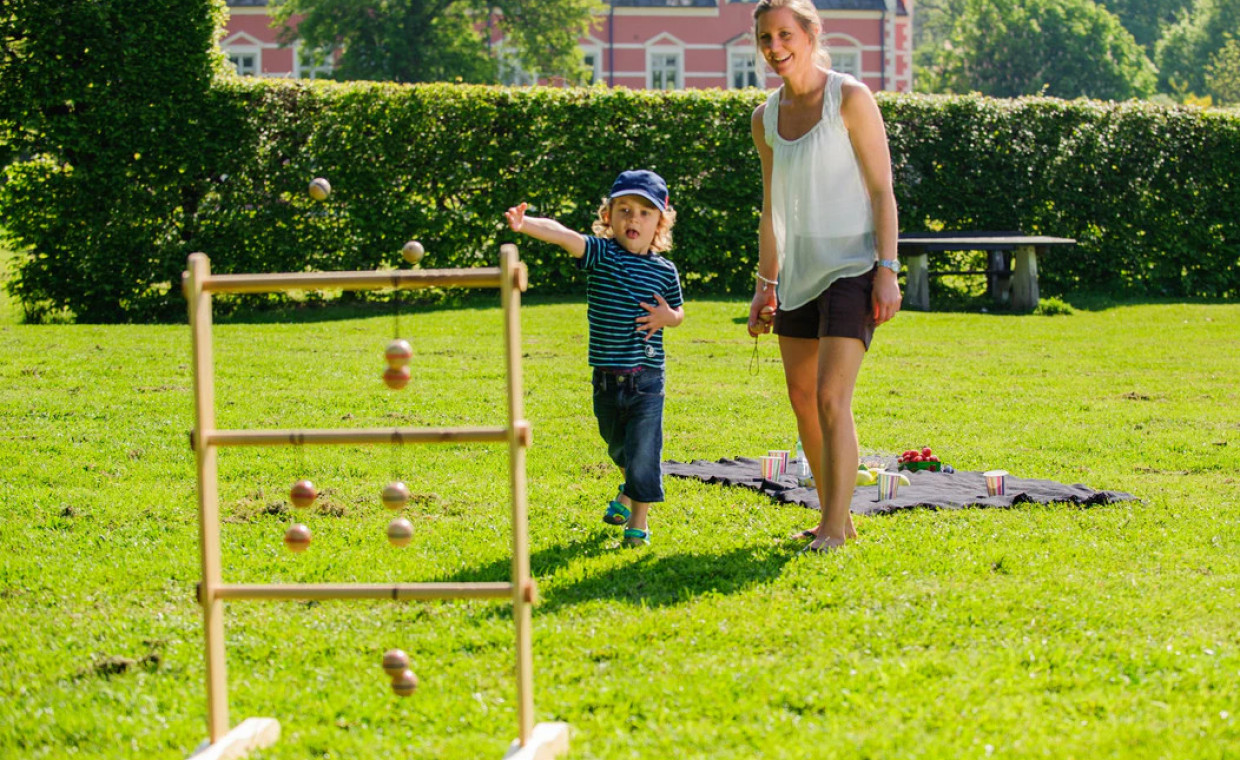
(843, 310)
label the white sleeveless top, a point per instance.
(824, 227)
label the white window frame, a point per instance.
(240, 45)
(661, 51)
(237, 54)
(303, 71)
(595, 53)
(846, 54)
(846, 61)
(754, 68)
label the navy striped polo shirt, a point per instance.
(618, 283)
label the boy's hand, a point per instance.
(516, 216)
(546, 230)
(658, 316)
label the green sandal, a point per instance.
(636, 537)
(617, 513)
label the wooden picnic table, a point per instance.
(1011, 272)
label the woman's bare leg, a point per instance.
(802, 360)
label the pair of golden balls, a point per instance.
(398, 355)
(396, 665)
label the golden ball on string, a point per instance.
(302, 494)
(404, 683)
(395, 662)
(413, 251)
(297, 537)
(398, 353)
(396, 377)
(395, 495)
(400, 532)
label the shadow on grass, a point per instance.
(649, 580)
(661, 580)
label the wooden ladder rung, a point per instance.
(397, 591)
(339, 436)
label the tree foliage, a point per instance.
(441, 40)
(1063, 48)
(1147, 20)
(1186, 49)
(1223, 73)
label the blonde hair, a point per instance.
(807, 17)
(662, 242)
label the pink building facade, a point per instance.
(655, 44)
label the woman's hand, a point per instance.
(885, 296)
(761, 313)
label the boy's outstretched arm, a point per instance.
(546, 230)
(659, 316)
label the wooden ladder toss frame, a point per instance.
(544, 741)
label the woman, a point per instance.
(827, 245)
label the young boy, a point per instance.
(626, 273)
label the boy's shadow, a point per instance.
(650, 580)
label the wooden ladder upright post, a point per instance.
(208, 493)
(513, 282)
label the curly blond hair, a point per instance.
(662, 242)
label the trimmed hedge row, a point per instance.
(1149, 191)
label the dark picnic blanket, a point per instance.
(936, 490)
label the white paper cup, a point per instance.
(888, 484)
(783, 459)
(996, 482)
(770, 467)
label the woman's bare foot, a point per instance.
(823, 545)
(849, 532)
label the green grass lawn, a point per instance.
(1053, 631)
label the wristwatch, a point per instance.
(891, 264)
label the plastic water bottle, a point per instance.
(804, 475)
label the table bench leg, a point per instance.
(998, 277)
(1025, 279)
(917, 282)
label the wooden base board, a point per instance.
(549, 740)
(251, 734)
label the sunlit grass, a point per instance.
(1049, 631)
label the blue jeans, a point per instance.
(629, 409)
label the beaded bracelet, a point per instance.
(765, 282)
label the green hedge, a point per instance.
(111, 103)
(1150, 191)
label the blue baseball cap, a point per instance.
(641, 182)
